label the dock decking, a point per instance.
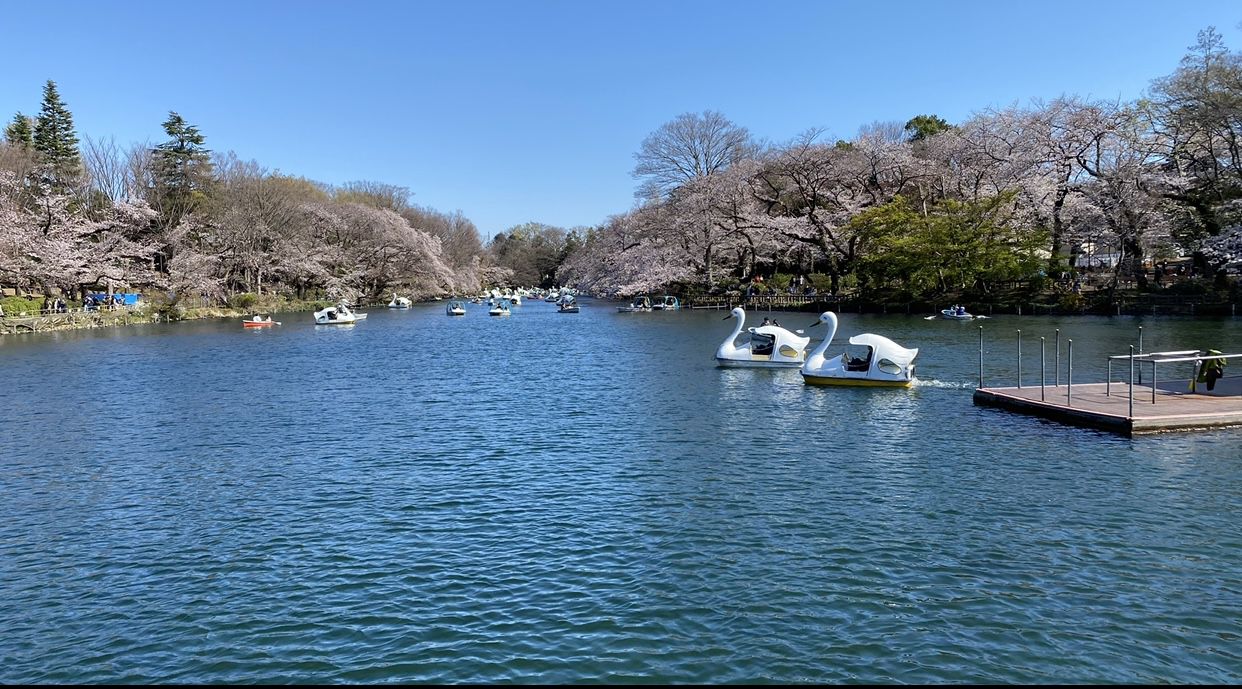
(1175, 407)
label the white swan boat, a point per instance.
(639, 304)
(501, 309)
(455, 308)
(956, 313)
(869, 360)
(399, 302)
(770, 345)
(336, 315)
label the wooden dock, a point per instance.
(1175, 408)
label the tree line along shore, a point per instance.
(1069, 205)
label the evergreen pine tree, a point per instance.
(54, 139)
(20, 132)
(182, 170)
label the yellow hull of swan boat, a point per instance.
(856, 382)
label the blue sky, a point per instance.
(532, 111)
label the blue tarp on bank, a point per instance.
(131, 298)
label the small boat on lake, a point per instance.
(567, 307)
(956, 313)
(869, 360)
(666, 303)
(769, 346)
(337, 315)
(259, 322)
(455, 308)
(639, 304)
(501, 309)
(399, 302)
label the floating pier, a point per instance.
(1124, 406)
(1090, 406)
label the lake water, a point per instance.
(583, 498)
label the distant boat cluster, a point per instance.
(498, 302)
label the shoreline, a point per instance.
(88, 320)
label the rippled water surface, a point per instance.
(587, 498)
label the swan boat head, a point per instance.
(769, 345)
(871, 360)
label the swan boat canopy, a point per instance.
(639, 304)
(455, 308)
(869, 360)
(336, 315)
(399, 302)
(769, 346)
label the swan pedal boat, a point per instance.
(399, 302)
(499, 310)
(337, 315)
(455, 308)
(875, 361)
(770, 346)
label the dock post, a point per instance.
(1069, 376)
(1140, 371)
(1019, 359)
(1057, 381)
(1042, 371)
(1132, 381)
(981, 356)
(1153, 381)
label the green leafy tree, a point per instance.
(20, 132)
(924, 126)
(54, 140)
(533, 251)
(956, 245)
(181, 171)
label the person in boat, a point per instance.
(766, 321)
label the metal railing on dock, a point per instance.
(1194, 356)
(1156, 358)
